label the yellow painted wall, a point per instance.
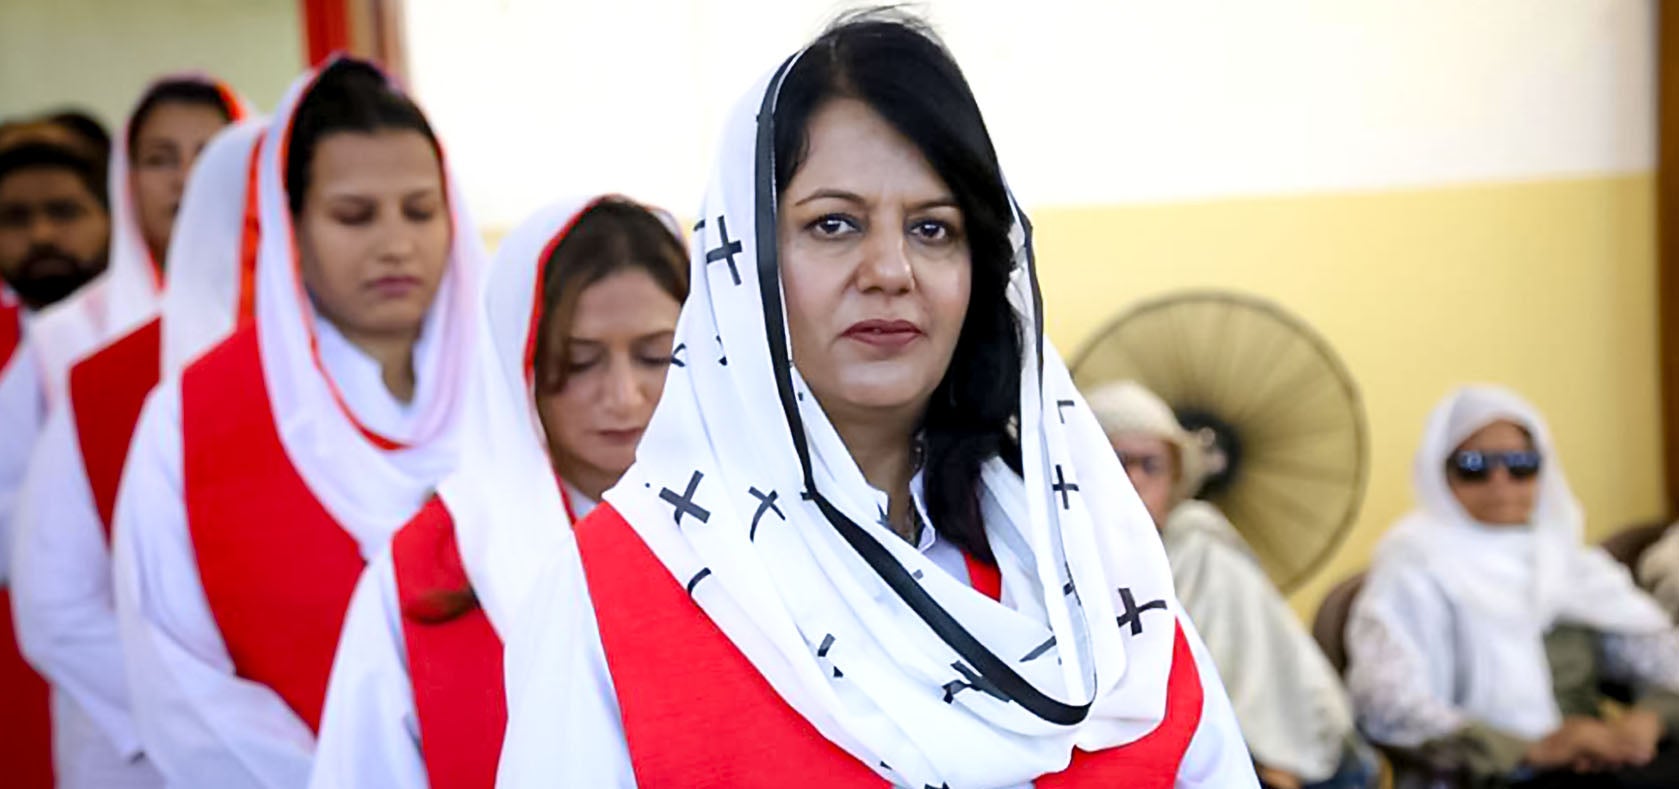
(99, 54)
(1547, 287)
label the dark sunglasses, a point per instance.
(1472, 466)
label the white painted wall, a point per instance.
(99, 54)
(1091, 101)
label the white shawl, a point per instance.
(207, 254)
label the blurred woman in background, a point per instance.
(1485, 625)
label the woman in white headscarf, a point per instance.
(1485, 623)
(153, 155)
(872, 535)
(580, 310)
(61, 579)
(1294, 713)
(263, 478)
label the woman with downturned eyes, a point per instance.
(265, 475)
(873, 536)
(1485, 626)
(580, 308)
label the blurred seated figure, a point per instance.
(1486, 627)
(1289, 702)
(1658, 570)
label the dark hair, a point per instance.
(86, 127)
(348, 96)
(174, 91)
(610, 236)
(44, 156)
(894, 63)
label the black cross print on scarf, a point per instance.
(676, 354)
(684, 503)
(1133, 615)
(698, 577)
(1063, 487)
(822, 652)
(1061, 409)
(1039, 650)
(726, 249)
(766, 503)
(970, 680)
(722, 355)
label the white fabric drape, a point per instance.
(202, 283)
(1288, 698)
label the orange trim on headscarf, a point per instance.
(250, 242)
(230, 102)
(537, 310)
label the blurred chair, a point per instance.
(1628, 544)
(1329, 628)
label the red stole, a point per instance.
(11, 329)
(26, 725)
(680, 681)
(277, 570)
(25, 713)
(454, 665)
(107, 391)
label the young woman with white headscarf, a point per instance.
(150, 162)
(1485, 623)
(872, 535)
(262, 479)
(580, 310)
(61, 581)
(1294, 713)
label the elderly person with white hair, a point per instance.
(1289, 702)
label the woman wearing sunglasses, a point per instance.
(1485, 628)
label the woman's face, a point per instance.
(875, 267)
(165, 147)
(374, 231)
(1152, 464)
(617, 351)
(1499, 499)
